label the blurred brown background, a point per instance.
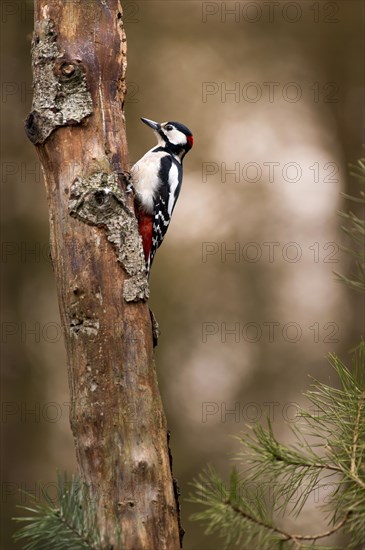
(243, 286)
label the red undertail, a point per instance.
(145, 222)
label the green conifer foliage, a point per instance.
(329, 451)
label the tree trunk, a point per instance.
(78, 127)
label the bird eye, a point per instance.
(169, 127)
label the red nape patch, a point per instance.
(145, 223)
(190, 140)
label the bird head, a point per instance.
(173, 136)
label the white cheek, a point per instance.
(177, 138)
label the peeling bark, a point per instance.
(77, 125)
(98, 200)
(60, 95)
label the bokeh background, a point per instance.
(243, 286)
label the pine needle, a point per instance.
(287, 475)
(70, 524)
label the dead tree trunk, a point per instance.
(78, 127)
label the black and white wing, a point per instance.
(170, 176)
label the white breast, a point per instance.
(145, 178)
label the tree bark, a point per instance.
(77, 125)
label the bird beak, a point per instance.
(154, 125)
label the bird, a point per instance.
(157, 179)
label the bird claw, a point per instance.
(130, 188)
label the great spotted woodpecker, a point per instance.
(157, 179)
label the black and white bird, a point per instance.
(157, 179)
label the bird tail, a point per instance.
(145, 227)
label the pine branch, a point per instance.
(252, 526)
(356, 437)
(71, 523)
(290, 537)
(355, 230)
(335, 451)
(338, 424)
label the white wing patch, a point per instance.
(174, 182)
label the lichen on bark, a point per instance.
(60, 91)
(97, 199)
